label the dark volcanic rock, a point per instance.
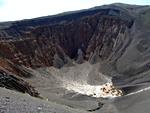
(11, 82)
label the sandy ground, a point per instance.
(50, 81)
(15, 102)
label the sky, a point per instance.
(11, 10)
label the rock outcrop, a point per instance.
(14, 83)
(101, 33)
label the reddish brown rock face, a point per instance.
(28, 52)
(97, 37)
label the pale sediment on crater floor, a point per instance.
(106, 90)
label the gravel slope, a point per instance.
(14, 102)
